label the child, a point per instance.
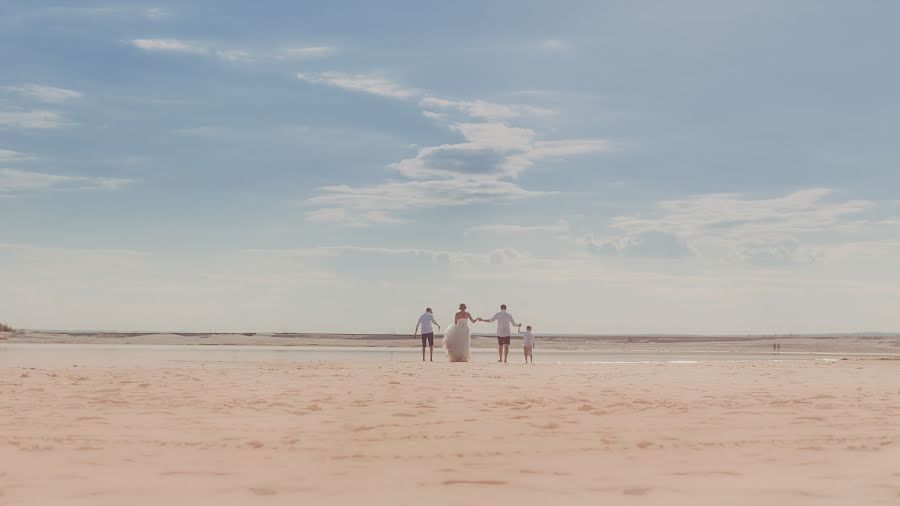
(527, 343)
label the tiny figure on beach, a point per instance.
(504, 331)
(457, 338)
(527, 343)
(424, 323)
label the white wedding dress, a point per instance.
(456, 341)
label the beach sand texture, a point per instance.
(754, 433)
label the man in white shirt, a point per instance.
(504, 331)
(424, 323)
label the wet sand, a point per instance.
(774, 433)
(879, 345)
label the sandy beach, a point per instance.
(774, 433)
(230, 230)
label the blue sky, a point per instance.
(610, 167)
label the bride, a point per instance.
(456, 338)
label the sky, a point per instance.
(601, 167)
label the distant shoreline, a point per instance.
(613, 337)
(887, 344)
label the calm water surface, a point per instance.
(131, 355)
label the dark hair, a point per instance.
(502, 306)
(428, 309)
(462, 306)
(528, 327)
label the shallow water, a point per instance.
(136, 355)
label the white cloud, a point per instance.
(484, 109)
(155, 13)
(569, 147)
(492, 148)
(473, 171)
(800, 227)
(646, 244)
(37, 119)
(376, 204)
(559, 227)
(169, 45)
(45, 93)
(364, 83)
(236, 55)
(14, 181)
(8, 155)
(735, 215)
(306, 53)
(776, 252)
(434, 116)
(497, 135)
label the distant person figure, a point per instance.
(527, 343)
(504, 331)
(457, 337)
(424, 323)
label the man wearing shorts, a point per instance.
(505, 321)
(424, 323)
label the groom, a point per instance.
(504, 331)
(424, 323)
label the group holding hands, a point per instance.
(456, 339)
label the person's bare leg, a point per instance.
(505, 352)
(430, 354)
(500, 352)
(423, 352)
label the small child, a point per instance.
(527, 343)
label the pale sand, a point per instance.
(754, 433)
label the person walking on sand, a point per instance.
(424, 323)
(505, 321)
(527, 343)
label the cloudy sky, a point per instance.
(608, 167)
